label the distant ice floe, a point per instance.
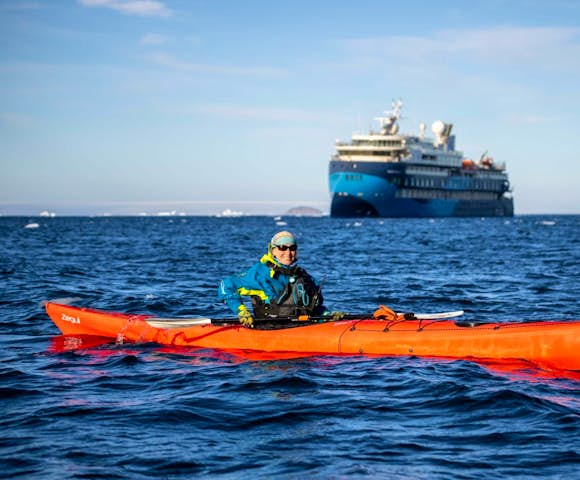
(547, 222)
(46, 213)
(230, 213)
(168, 213)
(31, 225)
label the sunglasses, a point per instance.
(283, 248)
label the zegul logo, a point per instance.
(68, 318)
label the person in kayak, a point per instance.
(276, 285)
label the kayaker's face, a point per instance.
(285, 254)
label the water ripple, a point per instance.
(147, 411)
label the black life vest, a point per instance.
(301, 296)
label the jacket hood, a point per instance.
(269, 258)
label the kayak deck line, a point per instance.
(548, 344)
(187, 322)
(177, 322)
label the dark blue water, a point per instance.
(147, 411)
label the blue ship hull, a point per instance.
(371, 191)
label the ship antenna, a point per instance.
(389, 121)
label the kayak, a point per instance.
(548, 344)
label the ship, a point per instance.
(388, 174)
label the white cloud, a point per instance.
(542, 47)
(153, 39)
(228, 70)
(236, 112)
(7, 6)
(143, 8)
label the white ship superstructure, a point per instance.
(388, 174)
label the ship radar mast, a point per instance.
(388, 123)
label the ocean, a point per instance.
(130, 411)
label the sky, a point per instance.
(195, 106)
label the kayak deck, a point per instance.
(550, 344)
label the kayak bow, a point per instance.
(549, 344)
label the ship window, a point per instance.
(356, 177)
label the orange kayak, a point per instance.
(549, 344)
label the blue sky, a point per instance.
(128, 106)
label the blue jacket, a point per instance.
(266, 281)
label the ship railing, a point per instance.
(366, 158)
